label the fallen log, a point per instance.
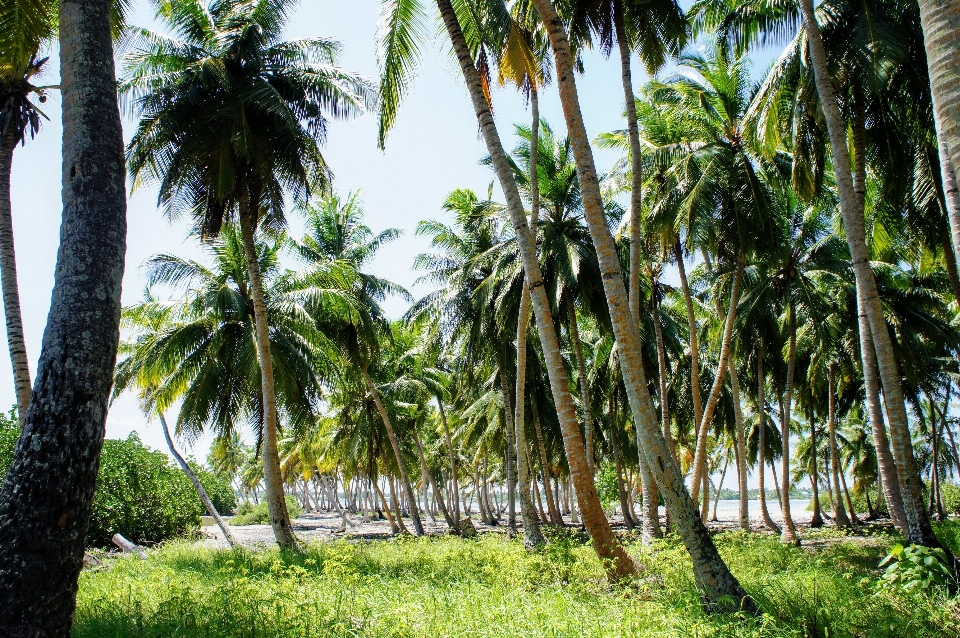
(128, 547)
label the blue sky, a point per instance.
(433, 149)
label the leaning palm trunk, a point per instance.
(395, 445)
(618, 563)
(816, 520)
(47, 495)
(552, 508)
(941, 38)
(789, 533)
(8, 277)
(532, 535)
(197, 485)
(726, 340)
(919, 530)
(762, 444)
(430, 481)
(272, 480)
(712, 574)
(651, 507)
(839, 513)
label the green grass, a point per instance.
(491, 587)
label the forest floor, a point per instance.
(490, 586)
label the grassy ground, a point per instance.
(447, 586)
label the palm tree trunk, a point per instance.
(951, 193)
(617, 562)
(726, 341)
(618, 463)
(940, 20)
(273, 482)
(919, 530)
(716, 498)
(839, 513)
(789, 533)
(741, 443)
(762, 442)
(8, 277)
(817, 519)
(846, 493)
(46, 498)
(511, 454)
(552, 509)
(395, 445)
(711, 572)
(651, 498)
(197, 485)
(428, 479)
(584, 384)
(455, 491)
(694, 335)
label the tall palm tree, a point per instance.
(396, 63)
(231, 119)
(47, 495)
(941, 39)
(709, 568)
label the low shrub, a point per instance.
(258, 514)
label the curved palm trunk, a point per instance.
(584, 384)
(741, 443)
(455, 496)
(47, 495)
(395, 445)
(919, 530)
(716, 498)
(719, 585)
(940, 20)
(532, 535)
(762, 444)
(789, 532)
(839, 513)
(817, 519)
(703, 431)
(272, 480)
(619, 563)
(8, 278)
(197, 485)
(694, 335)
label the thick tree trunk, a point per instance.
(839, 513)
(455, 490)
(395, 445)
(789, 532)
(8, 277)
(762, 442)
(618, 562)
(919, 530)
(584, 384)
(272, 480)
(47, 494)
(532, 535)
(726, 343)
(197, 485)
(940, 20)
(718, 584)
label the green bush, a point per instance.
(9, 433)
(250, 514)
(951, 497)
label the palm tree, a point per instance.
(941, 39)
(232, 118)
(397, 73)
(40, 556)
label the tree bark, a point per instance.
(940, 20)
(789, 532)
(951, 194)
(718, 584)
(839, 513)
(272, 480)
(919, 530)
(762, 442)
(617, 562)
(16, 341)
(47, 494)
(197, 485)
(395, 445)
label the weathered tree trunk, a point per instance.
(718, 584)
(8, 276)
(197, 485)
(395, 445)
(272, 480)
(941, 39)
(762, 442)
(951, 193)
(47, 494)
(618, 563)
(789, 532)
(839, 513)
(919, 530)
